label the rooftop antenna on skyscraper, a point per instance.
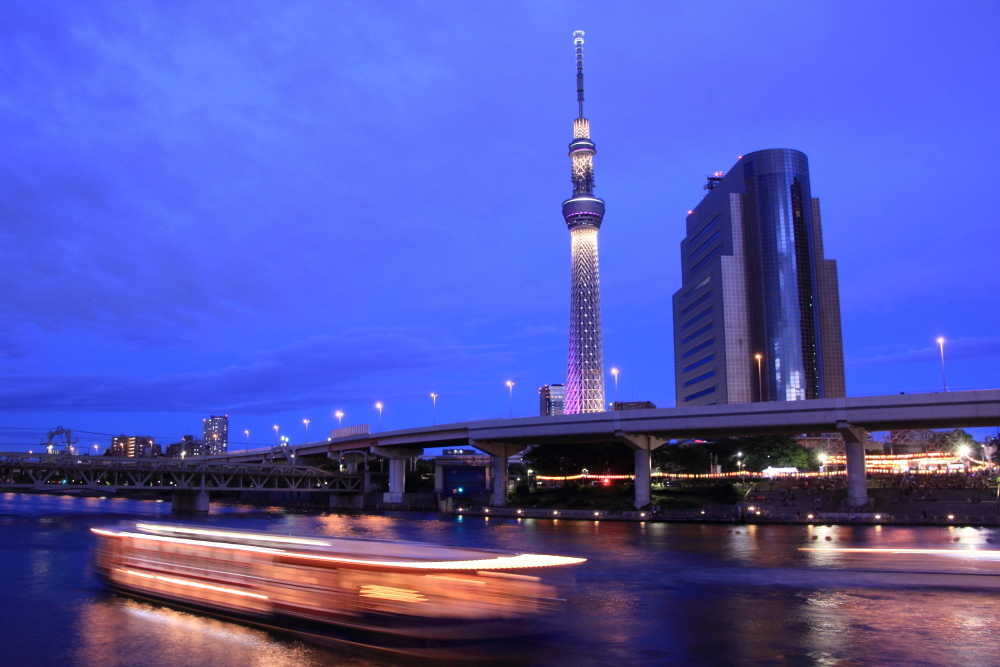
(714, 180)
(578, 40)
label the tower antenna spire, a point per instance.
(578, 41)
(583, 213)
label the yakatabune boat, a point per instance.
(401, 595)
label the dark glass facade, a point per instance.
(782, 283)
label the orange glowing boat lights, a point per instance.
(279, 539)
(519, 561)
(194, 584)
(390, 593)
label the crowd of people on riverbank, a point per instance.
(813, 495)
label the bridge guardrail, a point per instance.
(59, 471)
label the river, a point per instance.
(649, 594)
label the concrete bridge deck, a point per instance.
(645, 430)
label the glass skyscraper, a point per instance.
(758, 315)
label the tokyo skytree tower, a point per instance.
(583, 213)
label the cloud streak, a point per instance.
(310, 372)
(961, 349)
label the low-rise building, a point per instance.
(632, 405)
(551, 399)
(188, 446)
(135, 446)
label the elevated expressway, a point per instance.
(645, 430)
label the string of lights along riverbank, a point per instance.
(583, 213)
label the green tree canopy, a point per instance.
(567, 459)
(759, 452)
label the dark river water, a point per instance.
(649, 594)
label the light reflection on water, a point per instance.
(120, 632)
(667, 594)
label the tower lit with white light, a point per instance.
(583, 213)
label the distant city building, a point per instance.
(188, 446)
(632, 405)
(758, 315)
(990, 447)
(215, 435)
(134, 446)
(551, 399)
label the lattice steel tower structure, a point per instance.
(583, 213)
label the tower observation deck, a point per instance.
(583, 213)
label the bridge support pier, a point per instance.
(397, 480)
(643, 477)
(857, 479)
(397, 469)
(500, 480)
(643, 446)
(351, 459)
(499, 453)
(189, 502)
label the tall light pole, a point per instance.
(247, 433)
(760, 377)
(379, 406)
(944, 381)
(276, 438)
(510, 386)
(340, 418)
(306, 422)
(434, 399)
(739, 462)
(614, 371)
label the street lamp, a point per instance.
(614, 371)
(760, 378)
(944, 382)
(306, 422)
(340, 418)
(434, 398)
(739, 463)
(247, 433)
(276, 438)
(379, 406)
(510, 386)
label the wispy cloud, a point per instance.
(306, 373)
(963, 349)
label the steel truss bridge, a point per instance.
(61, 472)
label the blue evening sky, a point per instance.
(275, 210)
